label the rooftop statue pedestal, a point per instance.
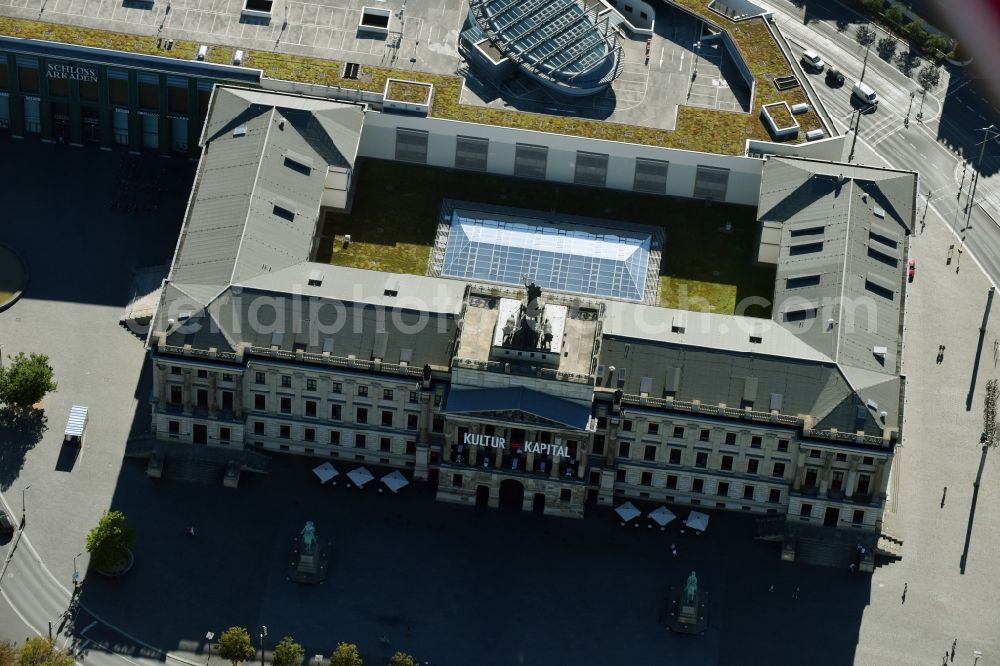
(309, 563)
(687, 610)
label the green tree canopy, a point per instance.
(929, 76)
(234, 645)
(402, 659)
(346, 654)
(287, 653)
(8, 653)
(25, 380)
(894, 14)
(40, 651)
(109, 541)
(865, 34)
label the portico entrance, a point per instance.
(511, 495)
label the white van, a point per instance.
(865, 94)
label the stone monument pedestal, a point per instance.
(309, 568)
(685, 618)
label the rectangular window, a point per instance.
(387, 394)
(727, 463)
(285, 214)
(285, 431)
(623, 449)
(386, 418)
(752, 465)
(675, 456)
(309, 434)
(722, 489)
(384, 444)
(286, 405)
(858, 518)
(671, 481)
(362, 391)
(335, 437)
(471, 153)
(748, 492)
(414, 397)
(701, 459)
(756, 441)
(259, 401)
(260, 378)
(359, 441)
(335, 412)
(412, 421)
(310, 384)
(530, 161)
(225, 434)
(698, 485)
(591, 169)
(361, 416)
(711, 183)
(730, 438)
(286, 381)
(258, 427)
(703, 436)
(799, 281)
(59, 87)
(565, 495)
(177, 99)
(774, 496)
(650, 176)
(627, 425)
(411, 145)
(598, 446)
(311, 408)
(649, 453)
(174, 427)
(782, 445)
(806, 510)
(176, 395)
(620, 476)
(841, 457)
(456, 480)
(118, 90)
(336, 387)
(868, 460)
(646, 479)
(678, 432)
(778, 470)
(864, 484)
(653, 429)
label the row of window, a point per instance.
(722, 488)
(311, 384)
(361, 414)
(704, 435)
(590, 169)
(334, 437)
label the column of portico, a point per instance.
(238, 384)
(422, 458)
(800, 473)
(581, 466)
(472, 448)
(213, 388)
(499, 451)
(824, 477)
(852, 477)
(880, 483)
(554, 472)
(160, 387)
(186, 391)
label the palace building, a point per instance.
(529, 367)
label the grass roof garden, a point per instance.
(408, 91)
(706, 265)
(699, 129)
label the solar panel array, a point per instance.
(508, 250)
(555, 36)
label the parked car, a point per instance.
(911, 269)
(812, 60)
(834, 76)
(6, 524)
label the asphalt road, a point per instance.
(936, 147)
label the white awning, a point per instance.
(395, 481)
(360, 476)
(77, 421)
(697, 520)
(661, 515)
(628, 511)
(325, 472)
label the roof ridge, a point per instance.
(253, 191)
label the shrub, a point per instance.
(287, 653)
(108, 543)
(235, 645)
(26, 380)
(894, 14)
(346, 654)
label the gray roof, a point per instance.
(254, 205)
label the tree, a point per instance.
(8, 653)
(346, 654)
(886, 48)
(865, 34)
(402, 659)
(937, 45)
(40, 651)
(287, 653)
(26, 380)
(894, 14)
(234, 645)
(872, 6)
(109, 542)
(929, 76)
(915, 29)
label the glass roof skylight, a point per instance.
(584, 260)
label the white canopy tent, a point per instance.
(394, 481)
(662, 516)
(627, 511)
(697, 521)
(325, 472)
(360, 476)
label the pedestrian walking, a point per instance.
(944, 493)
(954, 644)
(944, 662)
(673, 550)
(851, 567)
(904, 592)
(771, 589)
(795, 594)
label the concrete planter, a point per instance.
(407, 96)
(121, 569)
(779, 119)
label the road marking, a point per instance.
(79, 650)
(970, 108)
(922, 155)
(681, 67)
(662, 48)
(89, 627)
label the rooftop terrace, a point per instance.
(311, 43)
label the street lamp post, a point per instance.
(694, 71)
(263, 635)
(208, 637)
(906, 122)
(76, 573)
(864, 67)
(857, 129)
(24, 510)
(920, 111)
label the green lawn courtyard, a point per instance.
(705, 265)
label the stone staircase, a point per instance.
(824, 551)
(889, 547)
(194, 470)
(193, 462)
